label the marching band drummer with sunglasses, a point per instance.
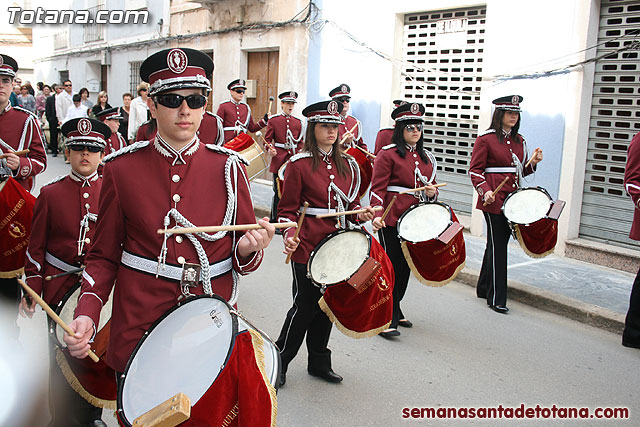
(236, 114)
(329, 180)
(57, 245)
(402, 165)
(171, 181)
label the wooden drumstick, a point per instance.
(271, 98)
(264, 141)
(216, 228)
(373, 156)
(66, 273)
(295, 236)
(54, 316)
(344, 138)
(17, 153)
(504, 181)
(357, 211)
(386, 211)
(532, 156)
(414, 190)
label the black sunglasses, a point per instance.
(239, 91)
(344, 100)
(90, 148)
(411, 128)
(68, 85)
(173, 100)
(144, 89)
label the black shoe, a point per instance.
(54, 155)
(97, 423)
(328, 376)
(499, 309)
(283, 379)
(390, 333)
(630, 344)
(278, 231)
(405, 323)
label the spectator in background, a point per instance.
(64, 100)
(77, 109)
(139, 111)
(40, 87)
(84, 95)
(13, 98)
(26, 100)
(41, 100)
(124, 113)
(102, 103)
(50, 113)
(29, 88)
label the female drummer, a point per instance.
(500, 152)
(402, 165)
(329, 180)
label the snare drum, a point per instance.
(252, 151)
(527, 205)
(356, 276)
(204, 349)
(432, 242)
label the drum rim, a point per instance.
(416, 206)
(123, 375)
(53, 326)
(282, 168)
(323, 241)
(538, 188)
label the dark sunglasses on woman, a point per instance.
(173, 100)
(411, 128)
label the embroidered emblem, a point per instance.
(177, 61)
(24, 171)
(241, 82)
(415, 108)
(292, 94)
(332, 107)
(344, 89)
(514, 100)
(84, 126)
(453, 250)
(17, 230)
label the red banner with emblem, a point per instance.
(367, 312)
(16, 211)
(538, 239)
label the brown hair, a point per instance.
(311, 146)
(496, 124)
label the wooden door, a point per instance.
(263, 68)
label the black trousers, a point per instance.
(10, 295)
(305, 318)
(67, 407)
(53, 133)
(391, 244)
(631, 334)
(492, 282)
(275, 200)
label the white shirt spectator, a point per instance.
(74, 112)
(64, 100)
(137, 116)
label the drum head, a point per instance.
(67, 307)
(424, 222)
(184, 351)
(338, 256)
(526, 205)
(271, 354)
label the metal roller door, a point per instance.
(607, 211)
(443, 52)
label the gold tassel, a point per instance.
(357, 335)
(77, 387)
(258, 343)
(414, 270)
(526, 250)
(11, 274)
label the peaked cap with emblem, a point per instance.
(398, 102)
(8, 65)
(340, 91)
(237, 84)
(178, 68)
(408, 111)
(324, 112)
(108, 114)
(508, 103)
(289, 96)
(84, 131)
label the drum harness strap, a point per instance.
(240, 127)
(84, 227)
(341, 198)
(231, 166)
(291, 142)
(422, 195)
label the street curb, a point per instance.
(580, 311)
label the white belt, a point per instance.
(235, 128)
(58, 263)
(285, 146)
(172, 272)
(317, 211)
(505, 169)
(398, 189)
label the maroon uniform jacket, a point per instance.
(383, 138)
(393, 174)
(144, 133)
(491, 162)
(236, 118)
(302, 183)
(146, 186)
(56, 229)
(632, 183)
(350, 122)
(20, 130)
(210, 130)
(285, 133)
(114, 143)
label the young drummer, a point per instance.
(402, 165)
(342, 95)
(61, 235)
(236, 114)
(111, 117)
(329, 180)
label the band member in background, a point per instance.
(111, 117)
(58, 245)
(211, 129)
(320, 170)
(19, 130)
(284, 133)
(499, 152)
(342, 94)
(185, 183)
(383, 138)
(402, 165)
(236, 114)
(631, 334)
